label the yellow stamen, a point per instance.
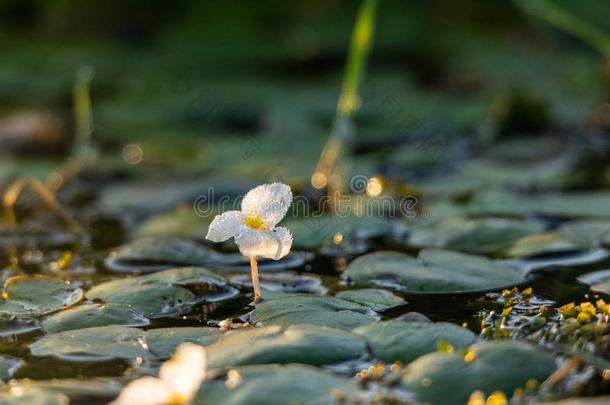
(177, 399)
(255, 222)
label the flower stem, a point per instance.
(258, 296)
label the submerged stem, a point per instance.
(258, 296)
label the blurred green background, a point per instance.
(249, 88)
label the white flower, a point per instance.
(254, 227)
(178, 382)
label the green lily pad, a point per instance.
(37, 295)
(99, 343)
(374, 298)
(78, 389)
(589, 232)
(163, 294)
(395, 340)
(162, 342)
(277, 385)
(152, 299)
(542, 244)
(567, 205)
(599, 281)
(285, 282)
(488, 235)
(8, 366)
(303, 309)
(90, 315)
(305, 344)
(449, 378)
(34, 396)
(157, 253)
(120, 342)
(434, 271)
(313, 232)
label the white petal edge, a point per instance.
(185, 371)
(225, 226)
(270, 201)
(273, 244)
(144, 391)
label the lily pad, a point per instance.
(37, 295)
(488, 235)
(8, 366)
(162, 294)
(91, 315)
(304, 344)
(162, 342)
(313, 232)
(374, 298)
(277, 385)
(589, 232)
(599, 281)
(542, 244)
(287, 282)
(152, 299)
(449, 378)
(99, 343)
(34, 396)
(120, 342)
(241, 264)
(395, 340)
(579, 205)
(77, 389)
(321, 311)
(157, 253)
(433, 271)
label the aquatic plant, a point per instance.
(254, 227)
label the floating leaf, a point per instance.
(395, 340)
(305, 344)
(587, 232)
(157, 253)
(566, 205)
(313, 232)
(449, 378)
(119, 342)
(303, 309)
(542, 244)
(37, 295)
(286, 282)
(152, 299)
(374, 298)
(90, 315)
(99, 343)
(434, 271)
(277, 385)
(162, 294)
(599, 281)
(242, 264)
(8, 366)
(162, 342)
(32, 396)
(488, 235)
(75, 388)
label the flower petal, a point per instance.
(270, 201)
(185, 371)
(144, 391)
(273, 244)
(225, 226)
